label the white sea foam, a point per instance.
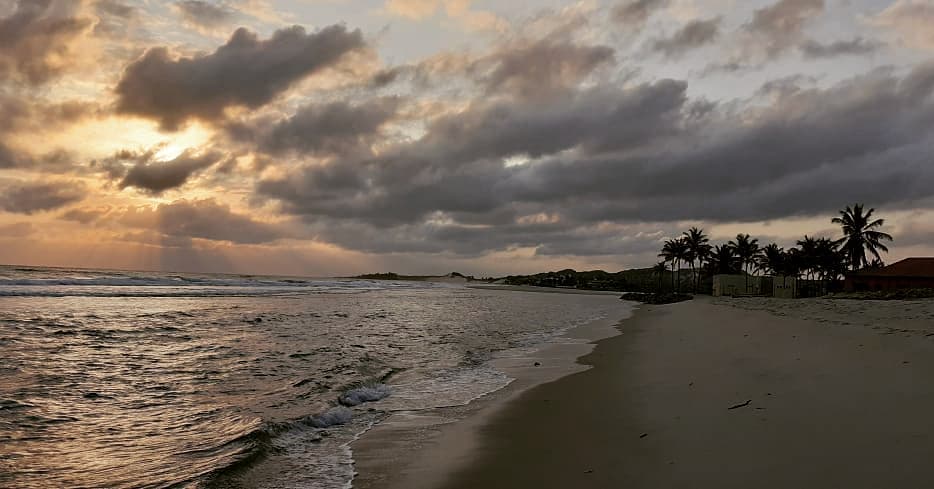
(335, 416)
(364, 394)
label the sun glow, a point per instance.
(169, 152)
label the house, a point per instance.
(910, 273)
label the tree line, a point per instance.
(813, 258)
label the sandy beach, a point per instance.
(709, 393)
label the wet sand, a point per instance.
(815, 403)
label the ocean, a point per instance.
(165, 380)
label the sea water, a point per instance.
(141, 379)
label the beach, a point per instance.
(709, 393)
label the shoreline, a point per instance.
(398, 451)
(709, 394)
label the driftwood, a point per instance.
(741, 405)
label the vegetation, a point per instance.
(819, 260)
(861, 235)
(637, 280)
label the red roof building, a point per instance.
(910, 273)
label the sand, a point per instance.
(824, 394)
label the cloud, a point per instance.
(336, 128)
(86, 215)
(599, 157)
(17, 230)
(37, 38)
(29, 197)
(155, 177)
(204, 14)
(541, 67)
(115, 8)
(692, 36)
(204, 219)
(635, 13)
(781, 25)
(410, 181)
(244, 72)
(856, 46)
(460, 10)
(911, 20)
(413, 9)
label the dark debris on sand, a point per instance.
(657, 299)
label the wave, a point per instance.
(112, 285)
(253, 446)
(360, 395)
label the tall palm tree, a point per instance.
(669, 254)
(807, 253)
(681, 254)
(860, 235)
(659, 271)
(772, 259)
(698, 248)
(747, 250)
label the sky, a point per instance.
(336, 137)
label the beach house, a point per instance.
(910, 273)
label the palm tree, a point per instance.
(747, 250)
(723, 261)
(860, 235)
(681, 254)
(772, 259)
(659, 271)
(698, 249)
(807, 253)
(669, 254)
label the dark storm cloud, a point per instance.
(643, 154)
(457, 165)
(856, 46)
(635, 13)
(157, 177)
(204, 219)
(692, 36)
(780, 25)
(35, 39)
(244, 72)
(204, 14)
(28, 197)
(336, 128)
(140, 169)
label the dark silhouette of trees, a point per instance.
(860, 234)
(723, 261)
(746, 249)
(659, 271)
(772, 259)
(698, 249)
(816, 259)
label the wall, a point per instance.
(729, 285)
